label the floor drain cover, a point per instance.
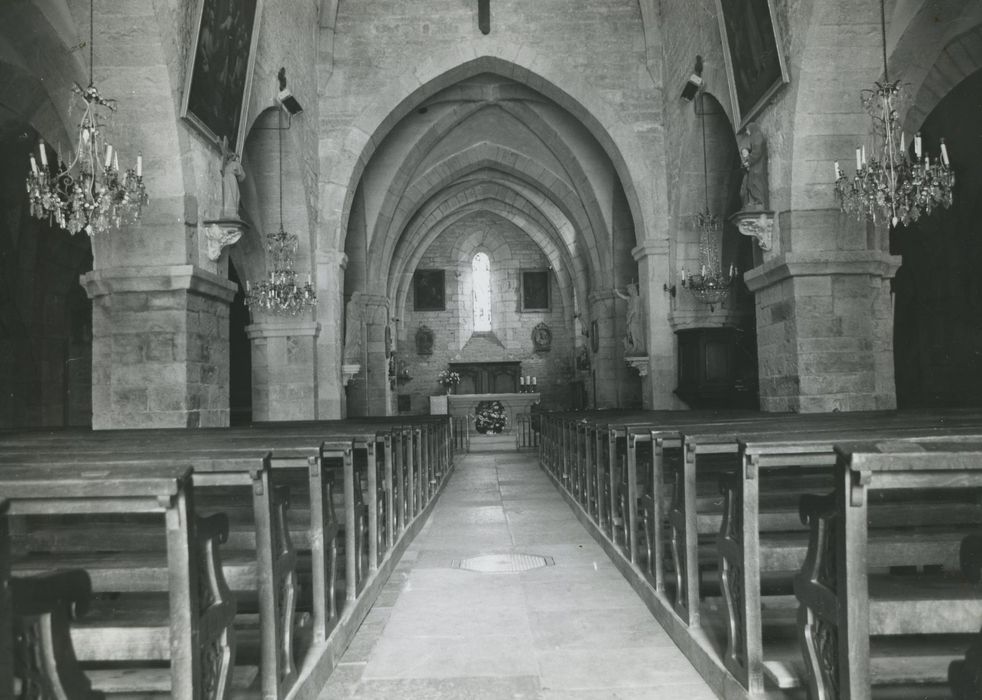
(503, 563)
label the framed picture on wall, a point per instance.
(535, 290)
(429, 291)
(220, 66)
(752, 51)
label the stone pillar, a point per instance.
(654, 273)
(608, 362)
(330, 270)
(284, 385)
(370, 394)
(825, 331)
(160, 347)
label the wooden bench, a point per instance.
(844, 603)
(965, 675)
(761, 539)
(198, 634)
(43, 661)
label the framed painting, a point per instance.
(752, 51)
(535, 290)
(429, 291)
(219, 74)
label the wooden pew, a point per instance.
(293, 449)
(965, 675)
(843, 603)
(42, 610)
(713, 449)
(264, 563)
(200, 633)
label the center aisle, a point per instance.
(450, 624)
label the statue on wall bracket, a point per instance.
(754, 218)
(424, 341)
(541, 338)
(228, 228)
(634, 337)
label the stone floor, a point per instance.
(571, 629)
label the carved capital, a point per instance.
(758, 224)
(348, 371)
(640, 363)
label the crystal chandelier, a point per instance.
(888, 183)
(711, 285)
(90, 193)
(280, 294)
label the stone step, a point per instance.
(502, 442)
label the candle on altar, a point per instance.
(917, 145)
(836, 170)
(44, 154)
(533, 381)
(248, 289)
(859, 161)
(902, 149)
(34, 165)
(864, 155)
(109, 156)
(944, 153)
(139, 165)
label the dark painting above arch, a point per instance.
(755, 62)
(219, 74)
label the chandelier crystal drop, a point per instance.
(90, 193)
(889, 183)
(280, 293)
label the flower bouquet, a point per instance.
(490, 417)
(448, 379)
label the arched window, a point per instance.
(481, 267)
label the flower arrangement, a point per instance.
(448, 378)
(490, 417)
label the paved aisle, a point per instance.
(574, 629)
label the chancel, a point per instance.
(632, 346)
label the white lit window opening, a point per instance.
(481, 268)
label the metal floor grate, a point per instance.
(503, 563)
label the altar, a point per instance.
(466, 404)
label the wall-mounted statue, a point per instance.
(232, 174)
(753, 160)
(541, 338)
(634, 343)
(582, 358)
(424, 341)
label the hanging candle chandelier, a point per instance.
(710, 285)
(888, 183)
(90, 193)
(280, 293)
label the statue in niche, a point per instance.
(424, 341)
(753, 161)
(232, 174)
(634, 337)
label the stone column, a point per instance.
(825, 330)
(654, 273)
(284, 384)
(369, 394)
(608, 362)
(160, 347)
(330, 270)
